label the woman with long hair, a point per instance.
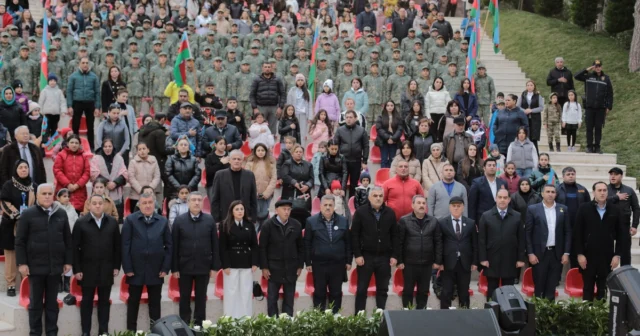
(297, 176)
(328, 101)
(143, 171)
(239, 257)
(72, 171)
(289, 125)
(446, 124)
(329, 27)
(523, 153)
(320, 130)
(406, 153)
(26, 24)
(470, 167)
(422, 140)
(532, 103)
(300, 97)
(110, 88)
(333, 167)
(346, 23)
(263, 165)
(411, 95)
(467, 100)
(389, 128)
(543, 175)
(412, 120)
(435, 101)
(215, 161)
(110, 165)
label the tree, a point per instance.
(549, 8)
(584, 12)
(619, 16)
(634, 55)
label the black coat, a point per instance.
(400, 28)
(43, 241)
(154, 136)
(467, 244)
(285, 156)
(183, 170)
(535, 119)
(598, 91)
(353, 142)
(11, 154)
(519, 204)
(229, 133)
(223, 194)
(600, 239)
(319, 249)
(267, 92)
(146, 248)
(109, 92)
(284, 128)
(558, 87)
(333, 169)
(96, 250)
(419, 245)
(282, 249)
(422, 145)
(372, 236)
(501, 242)
(480, 196)
(239, 247)
(195, 245)
(382, 126)
(537, 230)
(212, 165)
(505, 127)
(240, 125)
(292, 173)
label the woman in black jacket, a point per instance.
(182, 168)
(217, 160)
(11, 114)
(333, 166)
(110, 88)
(389, 127)
(289, 124)
(297, 176)
(422, 140)
(470, 167)
(409, 97)
(239, 256)
(523, 198)
(412, 119)
(532, 103)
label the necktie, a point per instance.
(502, 214)
(458, 228)
(23, 153)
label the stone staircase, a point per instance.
(35, 6)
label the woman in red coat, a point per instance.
(72, 171)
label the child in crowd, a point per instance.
(315, 162)
(34, 123)
(499, 98)
(362, 191)
(571, 119)
(72, 215)
(209, 102)
(350, 105)
(511, 177)
(259, 132)
(285, 155)
(477, 133)
(494, 153)
(100, 188)
(179, 206)
(235, 117)
(289, 124)
(20, 97)
(552, 117)
(336, 190)
(53, 103)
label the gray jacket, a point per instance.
(52, 101)
(118, 132)
(438, 198)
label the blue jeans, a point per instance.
(524, 172)
(387, 152)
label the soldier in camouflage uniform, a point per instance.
(135, 77)
(485, 91)
(290, 79)
(159, 77)
(241, 88)
(26, 70)
(282, 65)
(98, 33)
(397, 83)
(552, 116)
(133, 49)
(119, 44)
(332, 58)
(195, 78)
(342, 51)
(255, 59)
(235, 46)
(425, 81)
(172, 37)
(375, 85)
(460, 57)
(279, 42)
(231, 64)
(452, 80)
(411, 56)
(303, 61)
(393, 62)
(374, 57)
(388, 54)
(430, 42)
(203, 63)
(66, 39)
(442, 67)
(15, 39)
(100, 55)
(365, 49)
(34, 51)
(142, 43)
(102, 69)
(221, 78)
(255, 33)
(63, 55)
(339, 42)
(416, 66)
(322, 74)
(73, 64)
(385, 43)
(56, 66)
(342, 83)
(438, 49)
(408, 42)
(454, 43)
(8, 52)
(302, 36)
(151, 58)
(91, 41)
(194, 42)
(357, 66)
(215, 47)
(38, 34)
(148, 33)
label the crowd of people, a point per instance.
(467, 188)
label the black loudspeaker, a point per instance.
(449, 322)
(171, 325)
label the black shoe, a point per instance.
(589, 150)
(60, 285)
(558, 147)
(67, 283)
(597, 150)
(11, 291)
(550, 147)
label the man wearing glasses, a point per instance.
(572, 195)
(598, 102)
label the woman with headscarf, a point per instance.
(523, 198)
(11, 114)
(110, 165)
(17, 194)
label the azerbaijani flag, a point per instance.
(495, 12)
(474, 45)
(312, 70)
(45, 125)
(180, 68)
(53, 141)
(44, 54)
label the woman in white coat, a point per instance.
(300, 97)
(239, 257)
(435, 101)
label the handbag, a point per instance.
(299, 202)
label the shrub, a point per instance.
(624, 38)
(571, 317)
(619, 16)
(549, 8)
(584, 12)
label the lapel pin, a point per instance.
(335, 228)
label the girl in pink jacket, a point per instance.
(328, 101)
(320, 130)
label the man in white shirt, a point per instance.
(548, 234)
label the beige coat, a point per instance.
(265, 182)
(143, 173)
(414, 168)
(432, 171)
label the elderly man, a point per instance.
(43, 252)
(185, 124)
(96, 261)
(233, 184)
(560, 79)
(21, 148)
(281, 257)
(183, 97)
(420, 250)
(373, 232)
(146, 257)
(221, 128)
(327, 245)
(444, 27)
(196, 257)
(400, 190)
(268, 96)
(443, 191)
(401, 25)
(83, 97)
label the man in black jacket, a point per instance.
(460, 253)
(444, 27)
(419, 242)
(625, 198)
(373, 232)
(353, 142)
(601, 237)
(573, 195)
(598, 102)
(234, 184)
(281, 257)
(183, 97)
(96, 261)
(268, 96)
(23, 149)
(223, 129)
(327, 245)
(401, 25)
(154, 135)
(366, 19)
(560, 79)
(43, 252)
(195, 257)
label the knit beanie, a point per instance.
(328, 83)
(52, 77)
(365, 175)
(300, 76)
(335, 185)
(33, 106)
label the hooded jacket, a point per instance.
(11, 114)
(73, 168)
(154, 135)
(329, 102)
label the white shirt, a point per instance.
(550, 215)
(494, 187)
(453, 223)
(98, 220)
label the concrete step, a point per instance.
(499, 77)
(587, 169)
(579, 157)
(519, 82)
(496, 69)
(543, 147)
(496, 64)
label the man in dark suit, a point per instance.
(501, 243)
(234, 184)
(96, 261)
(327, 245)
(600, 238)
(548, 233)
(482, 195)
(460, 251)
(22, 149)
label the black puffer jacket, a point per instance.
(422, 145)
(598, 90)
(353, 142)
(372, 236)
(154, 135)
(419, 245)
(267, 92)
(195, 245)
(11, 116)
(183, 171)
(382, 126)
(333, 168)
(284, 128)
(43, 241)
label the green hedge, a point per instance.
(549, 8)
(564, 317)
(619, 16)
(584, 12)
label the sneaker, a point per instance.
(11, 291)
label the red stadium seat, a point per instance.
(124, 292)
(86, 147)
(264, 285)
(139, 122)
(482, 284)
(76, 291)
(375, 155)
(23, 299)
(83, 125)
(272, 30)
(206, 205)
(315, 205)
(277, 149)
(309, 287)
(353, 283)
(573, 285)
(203, 179)
(352, 205)
(398, 282)
(219, 286)
(127, 207)
(245, 148)
(373, 134)
(382, 175)
(2, 258)
(309, 153)
(174, 290)
(527, 283)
